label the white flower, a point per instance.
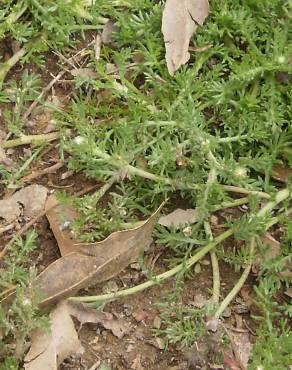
(78, 140)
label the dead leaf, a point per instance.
(212, 323)
(49, 349)
(275, 246)
(179, 218)
(60, 216)
(230, 361)
(107, 31)
(180, 20)
(30, 201)
(84, 72)
(242, 348)
(273, 251)
(288, 293)
(85, 314)
(282, 173)
(93, 262)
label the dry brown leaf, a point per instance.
(179, 218)
(30, 201)
(59, 216)
(49, 349)
(273, 251)
(84, 72)
(282, 173)
(180, 20)
(93, 262)
(107, 31)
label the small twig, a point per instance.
(29, 139)
(44, 91)
(45, 171)
(3, 229)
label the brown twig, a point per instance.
(45, 171)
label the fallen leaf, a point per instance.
(230, 362)
(288, 293)
(84, 72)
(137, 363)
(60, 216)
(242, 347)
(282, 173)
(180, 20)
(107, 31)
(273, 251)
(93, 262)
(85, 314)
(212, 323)
(179, 218)
(49, 349)
(140, 315)
(275, 246)
(30, 201)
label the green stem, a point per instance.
(280, 197)
(236, 189)
(159, 278)
(234, 291)
(215, 268)
(6, 66)
(29, 139)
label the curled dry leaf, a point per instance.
(179, 218)
(29, 201)
(49, 349)
(180, 20)
(93, 262)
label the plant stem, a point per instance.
(234, 291)
(280, 196)
(215, 268)
(236, 189)
(159, 278)
(29, 139)
(6, 66)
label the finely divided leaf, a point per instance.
(180, 20)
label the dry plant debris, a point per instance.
(179, 22)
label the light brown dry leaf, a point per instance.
(84, 72)
(242, 348)
(180, 20)
(93, 262)
(59, 217)
(48, 349)
(85, 314)
(179, 218)
(29, 200)
(282, 173)
(107, 31)
(288, 293)
(274, 245)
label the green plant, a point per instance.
(23, 314)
